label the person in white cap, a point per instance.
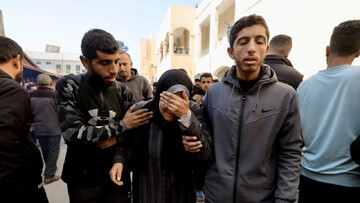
(47, 125)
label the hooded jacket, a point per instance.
(20, 160)
(138, 85)
(284, 70)
(90, 112)
(256, 141)
(46, 119)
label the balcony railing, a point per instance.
(181, 51)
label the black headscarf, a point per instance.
(173, 150)
(168, 79)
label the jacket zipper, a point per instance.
(238, 147)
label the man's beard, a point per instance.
(19, 77)
(97, 78)
(123, 75)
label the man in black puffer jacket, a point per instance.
(277, 59)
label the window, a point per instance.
(48, 63)
(58, 68)
(38, 62)
(77, 68)
(68, 68)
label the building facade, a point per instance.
(148, 67)
(309, 23)
(213, 19)
(57, 63)
(175, 41)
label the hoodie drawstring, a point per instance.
(231, 95)
(257, 98)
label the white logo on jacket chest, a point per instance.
(95, 117)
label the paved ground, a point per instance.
(57, 191)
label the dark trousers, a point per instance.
(199, 170)
(107, 193)
(311, 191)
(23, 194)
(33, 136)
(50, 148)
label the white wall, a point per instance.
(309, 23)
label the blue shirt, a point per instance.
(329, 105)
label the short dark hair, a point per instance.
(98, 40)
(9, 49)
(345, 39)
(281, 44)
(247, 21)
(206, 75)
(154, 84)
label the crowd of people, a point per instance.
(261, 134)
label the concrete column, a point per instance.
(199, 44)
(171, 42)
(214, 26)
(2, 29)
(157, 56)
(164, 49)
(191, 41)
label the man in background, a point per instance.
(20, 159)
(31, 87)
(206, 80)
(154, 88)
(196, 87)
(277, 59)
(330, 117)
(47, 126)
(138, 84)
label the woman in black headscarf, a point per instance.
(162, 168)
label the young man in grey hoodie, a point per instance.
(255, 125)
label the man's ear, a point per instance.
(357, 54)
(17, 62)
(85, 62)
(230, 52)
(286, 55)
(267, 49)
(327, 54)
(327, 51)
